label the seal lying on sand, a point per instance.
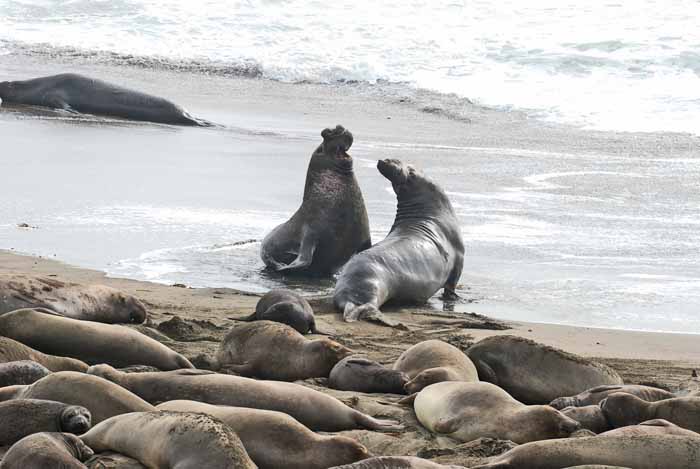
(78, 93)
(590, 417)
(23, 417)
(422, 253)
(286, 307)
(625, 409)
(434, 361)
(331, 225)
(13, 351)
(356, 373)
(652, 427)
(316, 410)
(171, 440)
(597, 394)
(21, 372)
(270, 350)
(535, 373)
(396, 462)
(47, 450)
(273, 439)
(90, 341)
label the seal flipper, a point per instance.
(243, 369)
(306, 254)
(368, 312)
(248, 318)
(485, 372)
(370, 423)
(447, 425)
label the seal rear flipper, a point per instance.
(370, 423)
(248, 318)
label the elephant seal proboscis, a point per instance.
(112, 460)
(595, 395)
(360, 374)
(396, 462)
(13, 351)
(434, 361)
(78, 93)
(21, 372)
(101, 397)
(92, 342)
(422, 253)
(625, 409)
(331, 225)
(590, 417)
(23, 417)
(467, 411)
(47, 450)
(270, 350)
(287, 307)
(273, 439)
(535, 373)
(651, 427)
(175, 440)
(638, 452)
(316, 410)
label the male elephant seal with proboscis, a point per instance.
(92, 342)
(360, 374)
(596, 395)
(316, 410)
(23, 417)
(535, 373)
(467, 411)
(47, 451)
(287, 307)
(78, 93)
(396, 462)
(270, 350)
(21, 372)
(625, 409)
(422, 253)
(273, 439)
(13, 351)
(171, 440)
(331, 225)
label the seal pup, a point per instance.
(590, 417)
(535, 373)
(175, 440)
(467, 411)
(422, 253)
(78, 93)
(331, 225)
(396, 462)
(595, 395)
(434, 361)
(13, 351)
(651, 427)
(47, 450)
(625, 409)
(270, 350)
(92, 342)
(23, 417)
(287, 307)
(316, 410)
(360, 374)
(273, 439)
(21, 372)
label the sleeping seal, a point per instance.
(21, 372)
(13, 351)
(596, 395)
(396, 462)
(651, 427)
(23, 417)
(47, 450)
(625, 409)
(287, 307)
(357, 373)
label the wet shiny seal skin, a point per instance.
(396, 462)
(13, 351)
(422, 253)
(434, 361)
(331, 225)
(47, 450)
(316, 410)
(286, 307)
(23, 417)
(625, 409)
(273, 439)
(270, 350)
(467, 411)
(534, 373)
(652, 427)
(78, 93)
(21, 372)
(92, 342)
(360, 374)
(590, 417)
(595, 395)
(171, 440)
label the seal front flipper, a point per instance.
(447, 425)
(368, 312)
(306, 253)
(243, 369)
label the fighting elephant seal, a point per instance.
(396, 462)
(273, 439)
(92, 342)
(101, 397)
(270, 350)
(78, 93)
(625, 409)
(316, 410)
(47, 450)
(171, 440)
(360, 374)
(13, 351)
(331, 225)
(21, 372)
(286, 307)
(467, 411)
(652, 427)
(535, 373)
(23, 417)
(434, 361)
(422, 253)
(591, 417)
(595, 395)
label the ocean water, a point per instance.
(603, 64)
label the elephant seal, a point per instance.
(13, 351)
(23, 417)
(396, 462)
(467, 411)
(590, 417)
(270, 350)
(89, 303)
(175, 440)
(112, 460)
(357, 373)
(638, 452)
(316, 410)
(625, 409)
(78, 93)
(596, 466)
(101, 397)
(90, 341)
(595, 395)
(21, 372)
(434, 361)
(535, 373)
(47, 450)
(287, 307)
(273, 439)
(331, 225)
(422, 253)
(652, 427)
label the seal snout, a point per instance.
(76, 420)
(336, 142)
